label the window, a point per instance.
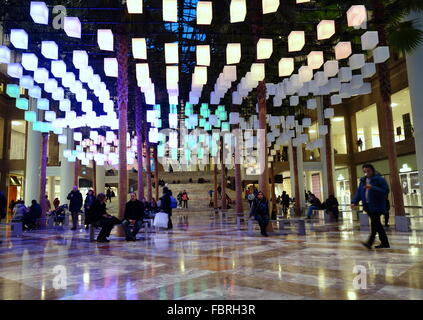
(339, 141)
(17, 140)
(402, 115)
(367, 128)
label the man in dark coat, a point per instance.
(260, 211)
(373, 192)
(285, 202)
(166, 206)
(75, 205)
(34, 213)
(101, 218)
(134, 215)
(3, 205)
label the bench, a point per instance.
(145, 222)
(15, 227)
(301, 230)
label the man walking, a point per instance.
(75, 205)
(373, 191)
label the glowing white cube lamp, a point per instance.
(43, 104)
(30, 116)
(139, 48)
(302, 1)
(39, 12)
(204, 12)
(68, 79)
(49, 116)
(203, 55)
(325, 29)
(111, 67)
(170, 10)
(58, 68)
(311, 104)
(15, 70)
(343, 50)
(65, 105)
(356, 61)
(4, 54)
(50, 50)
(258, 71)
(329, 113)
(200, 74)
(381, 54)
(270, 6)
(286, 67)
(172, 76)
(323, 130)
(233, 53)
(134, 6)
(315, 59)
(58, 94)
(357, 16)
(356, 81)
(62, 139)
(77, 136)
(345, 74)
(142, 74)
(294, 101)
(296, 41)
(50, 85)
(335, 99)
(264, 49)
(85, 75)
(320, 79)
(26, 82)
(35, 92)
(369, 40)
(171, 53)
(105, 39)
(368, 70)
(331, 68)
(72, 27)
(80, 59)
(238, 10)
(19, 38)
(305, 73)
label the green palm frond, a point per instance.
(404, 36)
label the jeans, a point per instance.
(310, 210)
(376, 227)
(185, 203)
(126, 227)
(107, 225)
(74, 219)
(262, 221)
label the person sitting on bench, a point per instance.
(98, 216)
(34, 213)
(134, 215)
(315, 204)
(19, 211)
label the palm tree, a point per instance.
(43, 174)
(138, 129)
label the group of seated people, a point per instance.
(330, 205)
(28, 216)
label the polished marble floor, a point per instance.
(209, 258)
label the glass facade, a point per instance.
(339, 141)
(367, 128)
(402, 115)
(17, 140)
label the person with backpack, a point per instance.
(179, 197)
(185, 199)
(165, 205)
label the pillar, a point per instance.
(415, 79)
(148, 169)
(262, 140)
(51, 187)
(156, 172)
(223, 174)
(66, 169)
(238, 183)
(4, 183)
(215, 187)
(100, 174)
(33, 162)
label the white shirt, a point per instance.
(367, 190)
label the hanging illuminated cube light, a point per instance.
(139, 48)
(68, 80)
(134, 6)
(381, 54)
(305, 73)
(356, 61)
(35, 92)
(19, 38)
(357, 16)
(201, 75)
(345, 74)
(43, 104)
(238, 10)
(270, 6)
(58, 94)
(170, 10)
(258, 71)
(368, 70)
(41, 75)
(50, 85)
(111, 67)
(171, 53)
(4, 54)
(13, 91)
(15, 70)
(203, 55)
(331, 68)
(343, 50)
(39, 12)
(204, 12)
(72, 27)
(296, 41)
(234, 118)
(315, 59)
(311, 104)
(264, 49)
(50, 50)
(233, 53)
(58, 68)
(65, 105)
(77, 136)
(80, 59)
(49, 116)
(105, 39)
(369, 40)
(294, 101)
(85, 75)
(26, 82)
(286, 67)
(325, 29)
(30, 116)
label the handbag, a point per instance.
(161, 220)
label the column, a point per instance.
(262, 141)
(6, 155)
(215, 186)
(51, 186)
(33, 162)
(238, 183)
(156, 173)
(66, 169)
(100, 174)
(300, 166)
(415, 79)
(223, 174)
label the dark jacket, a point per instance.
(165, 204)
(89, 200)
(259, 208)
(331, 205)
(76, 201)
(377, 194)
(285, 199)
(134, 210)
(34, 211)
(96, 211)
(3, 205)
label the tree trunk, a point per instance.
(94, 177)
(262, 137)
(76, 173)
(148, 167)
(223, 175)
(238, 182)
(273, 193)
(43, 174)
(138, 129)
(215, 187)
(156, 172)
(329, 150)
(387, 132)
(297, 185)
(122, 91)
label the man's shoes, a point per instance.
(103, 240)
(382, 246)
(73, 229)
(368, 246)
